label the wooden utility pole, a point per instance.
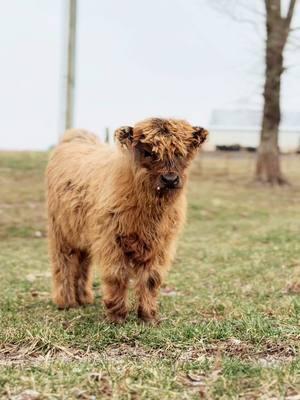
(107, 135)
(68, 66)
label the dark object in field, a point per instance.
(232, 147)
(251, 149)
(121, 209)
(235, 147)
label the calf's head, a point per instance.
(160, 151)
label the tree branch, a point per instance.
(243, 20)
(290, 13)
(231, 10)
(253, 11)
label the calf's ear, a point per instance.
(124, 135)
(199, 136)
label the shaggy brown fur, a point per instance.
(121, 209)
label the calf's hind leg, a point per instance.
(64, 271)
(83, 282)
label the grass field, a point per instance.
(230, 310)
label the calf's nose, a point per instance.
(170, 180)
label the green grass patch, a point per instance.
(229, 319)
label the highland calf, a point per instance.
(121, 209)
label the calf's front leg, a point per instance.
(115, 290)
(147, 290)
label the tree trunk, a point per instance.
(268, 160)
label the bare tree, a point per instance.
(278, 29)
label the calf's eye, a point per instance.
(150, 154)
(147, 154)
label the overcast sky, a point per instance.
(135, 59)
